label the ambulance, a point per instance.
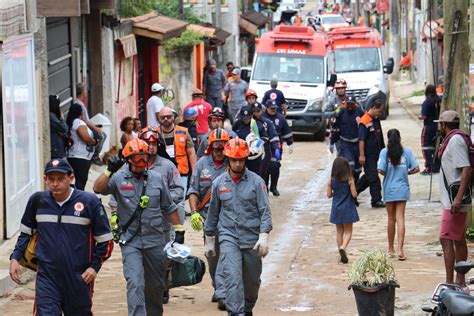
(357, 53)
(296, 57)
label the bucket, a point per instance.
(375, 300)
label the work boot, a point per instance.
(221, 304)
(378, 204)
(275, 191)
(166, 296)
(214, 298)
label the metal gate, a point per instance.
(60, 78)
(20, 128)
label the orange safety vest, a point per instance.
(180, 153)
(366, 120)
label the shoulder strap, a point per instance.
(139, 207)
(37, 201)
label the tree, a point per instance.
(171, 8)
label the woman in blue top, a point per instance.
(342, 189)
(395, 164)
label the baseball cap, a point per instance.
(257, 106)
(449, 116)
(212, 62)
(190, 114)
(271, 104)
(196, 92)
(246, 111)
(58, 165)
(156, 87)
(236, 71)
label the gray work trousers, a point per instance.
(242, 269)
(143, 270)
(215, 271)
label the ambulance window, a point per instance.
(357, 60)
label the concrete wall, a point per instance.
(176, 73)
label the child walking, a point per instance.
(342, 189)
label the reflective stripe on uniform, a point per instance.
(287, 135)
(352, 163)
(428, 148)
(273, 159)
(275, 139)
(103, 238)
(47, 218)
(75, 220)
(27, 230)
(353, 140)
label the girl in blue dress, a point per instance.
(342, 190)
(395, 164)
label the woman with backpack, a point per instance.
(395, 164)
(82, 145)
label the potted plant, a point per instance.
(373, 281)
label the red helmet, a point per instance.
(250, 92)
(149, 134)
(340, 84)
(236, 148)
(136, 153)
(216, 113)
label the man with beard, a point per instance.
(345, 130)
(239, 215)
(207, 169)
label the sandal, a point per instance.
(402, 258)
(391, 254)
(343, 254)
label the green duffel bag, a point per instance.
(188, 273)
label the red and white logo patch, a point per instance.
(55, 163)
(273, 96)
(78, 207)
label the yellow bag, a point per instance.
(30, 259)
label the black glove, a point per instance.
(114, 164)
(179, 237)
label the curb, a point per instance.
(405, 106)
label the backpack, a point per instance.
(470, 146)
(30, 259)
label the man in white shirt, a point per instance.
(154, 105)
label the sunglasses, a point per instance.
(217, 145)
(166, 117)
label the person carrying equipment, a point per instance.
(345, 130)
(73, 240)
(285, 135)
(239, 216)
(143, 200)
(207, 169)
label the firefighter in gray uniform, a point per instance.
(239, 214)
(143, 200)
(208, 168)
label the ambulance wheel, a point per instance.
(321, 134)
(386, 110)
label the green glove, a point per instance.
(196, 221)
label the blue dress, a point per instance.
(343, 210)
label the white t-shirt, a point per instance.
(455, 157)
(79, 148)
(153, 106)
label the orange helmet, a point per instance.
(136, 152)
(149, 134)
(217, 135)
(250, 92)
(236, 148)
(340, 84)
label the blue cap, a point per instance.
(246, 111)
(271, 104)
(257, 105)
(190, 114)
(58, 165)
(351, 98)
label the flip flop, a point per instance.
(391, 254)
(402, 258)
(343, 254)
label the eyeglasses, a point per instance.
(166, 117)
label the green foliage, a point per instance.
(171, 8)
(418, 93)
(131, 8)
(470, 234)
(188, 39)
(371, 268)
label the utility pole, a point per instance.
(218, 23)
(395, 36)
(456, 57)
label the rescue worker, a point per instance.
(345, 130)
(213, 82)
(338, 99)
(179, 148)
(190, 116)
(239, 216)
(207, 169)
(285, 135)
(272, 146)
(63, 218)
(276, 96)
(245, 125)
(143, 200)
(170, 175)
(216, 119)
(370, 144)
(234, 94)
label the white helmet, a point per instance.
(156, 87)
(255, 146)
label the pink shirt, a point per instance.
(203, 109)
